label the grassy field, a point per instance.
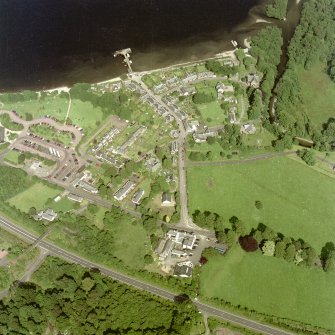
(53, 106)
(85, 115)
(12, 157)
(34, 196)
(319, 107)
(81, 113)
(64, 205)
(272, 286)
(298, 201)
(211, 113)
(131, 244)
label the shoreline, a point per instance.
(66, 89)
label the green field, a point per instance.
(12, 157)
(54, 106)
(85, 115)
(318, 107)
(211, 113)
(81, 113)
(271, 286)
(34, 196)
(131, 244)
(298, 201)
(64, 205)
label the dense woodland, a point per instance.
(313, 43)
(277, 10)
(66, 298)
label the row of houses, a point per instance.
(191, 77)
(106, 139)
(160, 110)
(130, 141)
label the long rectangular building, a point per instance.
(124, 190)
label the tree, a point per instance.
(214, 66)
(277, 10)
(258, 204)
(92, 208)
(290, 253)
(148, 259)
(231, 237)
(21, 158)
(330, 262)
(239, 228)
(307, 156)
(269, 248)
(32, 211)
(256, 108)
(248, 243)
(280, 249)
(240, 55)
(269, 234)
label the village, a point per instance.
(141, 151)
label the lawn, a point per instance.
(12, 157)
(262, 138)
(131, 244)
(271, 286)
(64, 205)
(34, 196)
(318, 107)
(297, 200)
(211, 113)
(85, 115)
(54, 106)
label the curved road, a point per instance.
(164, 293)
(51, 122)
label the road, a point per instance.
(164, 293)
(242, 161)
(45, 120)
(184, 215)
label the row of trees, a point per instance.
(264, 238)
(66, 298)
(266, 47)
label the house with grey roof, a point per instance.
(183, 269)
(167, 199)
(48, 215)
(172, 81)
(138, 197)
(248, 129)
(124, 190)
(186, 91)
(87, 186)
(169, 118)
(75, 197)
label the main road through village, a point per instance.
(164, 293)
